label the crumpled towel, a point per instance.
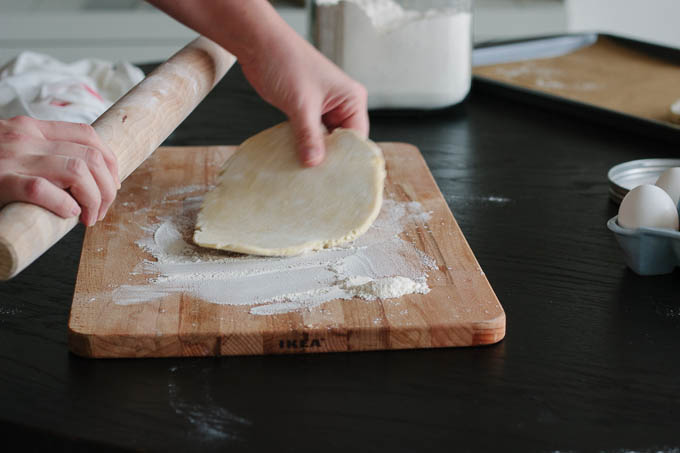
(45, 88)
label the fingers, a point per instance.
(57, 165)
(97, 167)
(39, 191)
(72, 173)
(82, 134)
(350, 112)
(309, 137)
(309, 133)
(357, 120)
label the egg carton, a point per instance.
(648, 251)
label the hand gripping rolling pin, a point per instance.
(133, 127)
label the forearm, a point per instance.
(284, 69)
(240, 26)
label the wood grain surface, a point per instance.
(460, 310)
(587, 363)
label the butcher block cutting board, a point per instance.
(461, 308)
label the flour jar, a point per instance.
(409, 54)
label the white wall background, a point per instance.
(649, 20)
(131, 30)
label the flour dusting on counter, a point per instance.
(379, 264)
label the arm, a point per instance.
(282, 67)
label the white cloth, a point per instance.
(45, 88)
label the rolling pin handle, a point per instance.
(133, 128)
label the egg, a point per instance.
(675, 112)
(648, 206)
(670, 182)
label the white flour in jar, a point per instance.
(405, 58)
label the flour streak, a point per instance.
(379, 264)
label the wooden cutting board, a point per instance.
(460, 310)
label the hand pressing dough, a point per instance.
(266, 203)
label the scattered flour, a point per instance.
(489, 199)
(383, 288)
(548, 78)
(9, 310)
(379, 264)
(186, 190)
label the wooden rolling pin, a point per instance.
(133, 127)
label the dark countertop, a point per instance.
(590, 360)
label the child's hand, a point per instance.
(63, 167)
(309, 89)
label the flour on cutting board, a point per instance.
(379, 264)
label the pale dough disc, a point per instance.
(266, 203)
(675, 112)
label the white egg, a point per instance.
(670, 182)
(675, 112)
(648, 206)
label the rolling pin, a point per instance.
(133, 128)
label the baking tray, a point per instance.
(492, 53)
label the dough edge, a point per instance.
(315, 245)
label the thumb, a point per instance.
(309, 138)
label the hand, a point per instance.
(282, 67)
(309, 89)
(63, 167)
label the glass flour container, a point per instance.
(408, 54)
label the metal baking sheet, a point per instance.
(557, 45)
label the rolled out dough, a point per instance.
(266, 203)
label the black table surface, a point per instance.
(589, 363)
